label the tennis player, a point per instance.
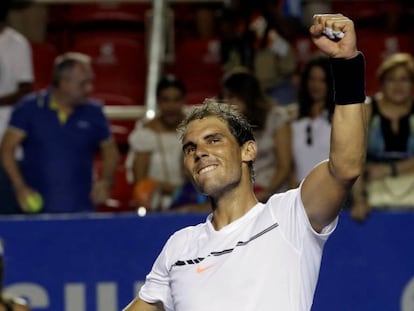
(250, 255)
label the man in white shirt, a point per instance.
(250, 255)
(16, 80)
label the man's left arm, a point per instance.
(326, 187)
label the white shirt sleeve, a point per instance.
(288, 210)
(23, 62)
(157, 283)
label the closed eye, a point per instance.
(188, 149)
(213, 139)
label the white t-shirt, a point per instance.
(166, 162)
(15, 67)
(166, 153)
(305, 155)
(267, 260)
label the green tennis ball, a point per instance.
(34, 203)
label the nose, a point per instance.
(200, 152)
(89, 88)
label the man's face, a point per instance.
(170, 102)
(212, 156)
(77, 84)
(397, 85)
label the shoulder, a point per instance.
(32, 101)
(277, 116)
(152, 125)
(182, 238)
(144, 129)
(94, 104)
(15, 36)
(93, 107)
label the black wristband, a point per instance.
(348, 79)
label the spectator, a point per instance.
(16, 80)
(389, 172)
(311, 131)
(60, 130)
(272, 132)
(154, 152)
(7, 302)
(254, 36)
(249, 255)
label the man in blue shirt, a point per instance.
(60, 130)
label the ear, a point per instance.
(249, 151)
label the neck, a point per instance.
(232, 206)
(317, 108)
(61, 101)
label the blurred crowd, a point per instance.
(59, 151)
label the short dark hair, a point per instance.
(245, 86)
(304, 97)
(170, 80)
(237, 123)
(65, 62)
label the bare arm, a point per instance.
(110, 160)
(11, 140)
(140, 305)
(140, 165)
(327, 185)
(12, 98)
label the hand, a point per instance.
(22, 193)
(337, 48)
(100, 191)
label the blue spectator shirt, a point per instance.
(58, 156)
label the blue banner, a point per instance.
(97, 262)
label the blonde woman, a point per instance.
(390, 150)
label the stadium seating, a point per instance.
(121, 193)
(198, 64)
(119, 63)
(43, 55)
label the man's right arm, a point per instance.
(12, 138)
(140, 305)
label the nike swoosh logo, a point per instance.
(200, 270)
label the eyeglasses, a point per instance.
(309, 139)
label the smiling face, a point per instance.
(397, 85)
(213, 158)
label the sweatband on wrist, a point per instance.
(348, 79)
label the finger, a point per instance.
(331, 23)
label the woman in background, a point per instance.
(272, 132)
(154, 150)
(311, 130)
(390, 150)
